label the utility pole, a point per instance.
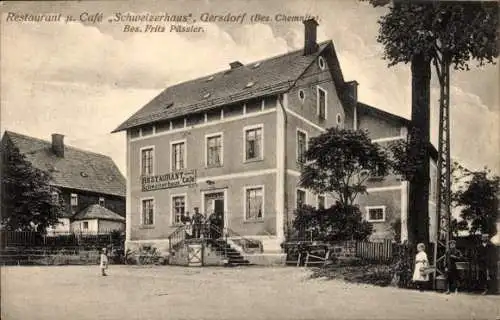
(443, 236)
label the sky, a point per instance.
(83, 79)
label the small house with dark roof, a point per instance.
(97, 218)
(233, 142)
(83, 178)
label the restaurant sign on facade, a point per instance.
(169, 180)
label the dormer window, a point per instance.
(84, 174)
(256, 65)
(206, 95)
(250, 84)
(102, 202)
(210, 78)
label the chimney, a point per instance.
(310, 45)
(58, 144)
(235, 64)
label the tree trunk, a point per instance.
(418, 211)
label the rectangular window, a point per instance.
(375, 214)
(301, 198)
(85, 225)
(135, 132)
(254, 203)
(55, 196)
(147, 131)
(147, 212)
(214, 151)
(321, 201)
(321, 103)
(178, 156)
(301, 146)
(74, 200)
(147, 161)
(101, 201)
(253, 144)
(163, 126)
(178, 208)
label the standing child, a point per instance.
(104, 262)
(420, 277)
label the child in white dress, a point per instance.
(420, 277)
(104, 262)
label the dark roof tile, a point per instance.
(270, 76)
(78, 169)
(96, 211)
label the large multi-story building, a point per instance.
(232, 142)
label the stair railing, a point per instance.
(246, 242)
(177, 237)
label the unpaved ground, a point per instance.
(77, 293)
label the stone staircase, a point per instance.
(228, 252)
(225, 251)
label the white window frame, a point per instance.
(141, 208)
(73, 197)
(321, 61)
(253, 127)
(318, 88)
(245, 188)
(101, 199)
(368, 208)
(55, 196)
(297, 198)
(212, 135)
(317, 200)
(297, 143)
(154, 160)
(172, 143)
(172, 216)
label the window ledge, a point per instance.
(253, 160)
(254, 221)
(214, 166)
(146, 226)
(376, 221)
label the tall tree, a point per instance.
(444, 33)
(339, 161)
(477, 198)
(29, 203)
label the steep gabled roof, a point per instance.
(367, 109)
(78, 169)
(96, 211)
(270, 76)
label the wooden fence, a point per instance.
(26, 247)
(55, 239)
(375, 251)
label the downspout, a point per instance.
(281, 164)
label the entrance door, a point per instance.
(214, 205)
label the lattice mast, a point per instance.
(442, 63)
